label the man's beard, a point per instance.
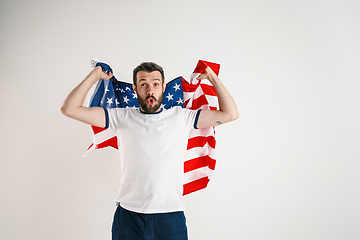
(146, 107)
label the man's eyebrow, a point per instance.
(143, 79)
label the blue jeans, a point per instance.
(128, 225)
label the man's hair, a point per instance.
(148, 67)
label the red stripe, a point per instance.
(112, 142)
(214, 66)
(195, 185)
(97, 129)
(202, 65)
(198, 102)
(188, 87)
(208, 90)
(89, 147)
(200, 141)
(204, 161)
(186, 102)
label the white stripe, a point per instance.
(197, 174)
(193, 79)
(198, 93)
(90, 149)
(212, 100)
(90, 94)
(189, 104)
(103, 136)
(188, 95)
(201, 132)
(199, 152)
(206, 82)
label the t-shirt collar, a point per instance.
(151, 113)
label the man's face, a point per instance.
(149, 89)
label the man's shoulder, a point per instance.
(123, 111)
(177, 109)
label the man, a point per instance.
(152, 144)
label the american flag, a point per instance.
(199, 162)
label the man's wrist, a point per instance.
(95, 73)
(214, 78)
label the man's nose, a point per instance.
(150, 91)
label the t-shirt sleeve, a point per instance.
(113, 117)
(106, 118)
(191, 117)
(197, 118)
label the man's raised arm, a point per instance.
(73, 104)
(227, 108)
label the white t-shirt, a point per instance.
(152, 149)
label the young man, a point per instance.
(153, 143)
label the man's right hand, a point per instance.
(73, 104)
(99, 73)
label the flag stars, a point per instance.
(170, 96)
(133, 107)
(134, 95)
(180, 101)
(126, 99)
(176, 86)
(116, 102)
(109, 101)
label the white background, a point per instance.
(288, 168)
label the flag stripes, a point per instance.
(200, 156)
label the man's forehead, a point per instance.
(143, 76)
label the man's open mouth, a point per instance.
(151, 101)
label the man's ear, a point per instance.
(134, 88)
(164, 86)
